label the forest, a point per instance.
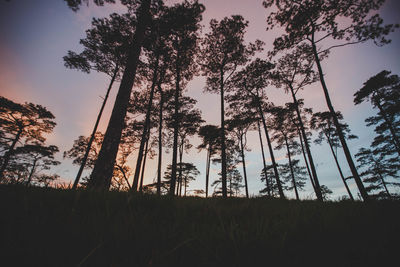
(119, 211)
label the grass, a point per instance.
(49, 227)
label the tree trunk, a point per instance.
(31, 173)
(146, 128)
(185, 186)
(244, 166)
(339, 131)
(305, 158)
(9, 153)
(271, 152)
(144, 163)
(208, 168)
(317, 187)
(383, 180)
(291, 168)
(395, 139)
(180, 167)
(263, 157)
(223, 145)
(340, 169)
(92, 136)
(103, 169)
(160, 119)
(176, 129)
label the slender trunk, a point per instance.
(185, 186)
(31, 173)
(223, 145)
(291, 168)
(93, 135)
(339, 168)
(176, 129)
(124, 174)
(160, 119)
(244, 166)
(339, 131)
(144, 164)
(317, 187)
(271, 152)
(208, 168)
(395, 139)
(103, 169)
(146, 128)
(263, 157)
(305, 159)
(383, 181)
(180, 167)
(9, 153)
(384, 185)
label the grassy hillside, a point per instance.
(48, 227)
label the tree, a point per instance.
(321, 25)
(285, 132)
(38, 157)
(323, 122)
(383, 91)
(239, 125)
(271, 187)
(294, 176)
(78, 152)
(293, 72)
(223, 50)
(190, 121)
(375, 169)
(46, 179)
(22, 122)
(158, 61)
(184, 21)
(326, 192)
(252, 81)
(234, 178)
(210, 141)
(103, 169)
(105, 50)
(189, 173)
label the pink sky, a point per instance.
(37, 34)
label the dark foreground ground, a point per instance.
(51, 227)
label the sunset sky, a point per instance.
(35, 35)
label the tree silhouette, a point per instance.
(188, 173)
(22, 122)
(38, 157)
(239, 125)
(223, 51)
(318, 24)
(210, 141)
(376, 169)
(252, 80)
(190, 120)
(184, 21)
(293, 72)
(294, 176)
(103, 169)
(285, 132)
(78, 152)
(323, 122)
(383, 91)
(105, 50)
(271, 187)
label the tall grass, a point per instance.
(49, 227)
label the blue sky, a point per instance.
(35, 35)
